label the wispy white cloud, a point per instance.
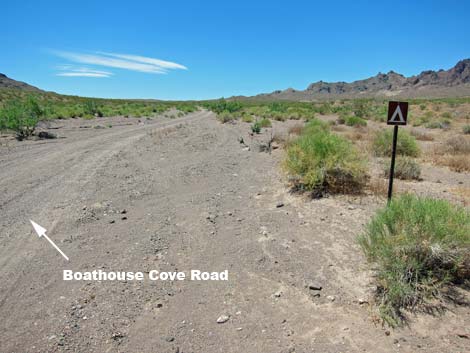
(122, 61)
(73, 71)
(142, 59)
(81, 74)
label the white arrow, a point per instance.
(42, 233)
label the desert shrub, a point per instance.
(417, 245)
(406, 144)
(422, 135)
(278, 107)
(446, 116)
(296, 116)
(265, 122)
(20, 117)
(324, 108)
(457, 145)
(355, 121)
(246, 118)
(91, 108)
(458, 163)
(222, 105)
(454, 154)
(225, 117)
(278, 116)
(256, 127)
(360, 108)
(466, 129)
(321, 161)
(405, 168)
(438, 124)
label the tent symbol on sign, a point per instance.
(397, 116)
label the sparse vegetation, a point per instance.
(265, 122)
(320, 161)
(418, 245)
(406, 144)
(355, 121)
(466, 129)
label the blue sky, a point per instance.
(210, 49)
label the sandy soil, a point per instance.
(184, 194)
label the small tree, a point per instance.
(20, 117)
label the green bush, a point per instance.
(466, 129)
(278, 116)
(321, 161)
(360, 108)
(20, 117)
(247, 118)
(405, 168)
(406, 144)
(225, 117)
(446, 116)
(441, 124)
(91, 108)
(417, 245)
(355, 121)
(256, 127)
(278, 107)
(265, 122)
(222, 105)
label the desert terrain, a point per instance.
(175, 194)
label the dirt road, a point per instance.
(177, 195)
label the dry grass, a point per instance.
(458, 163)
(454, 153)
(378, 187)
(295, 129)
(422, 135)
(354, 134)
(457, 145)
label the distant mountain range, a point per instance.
(6, 82)
(454, 82)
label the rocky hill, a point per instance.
(454, 82)
(6, 82)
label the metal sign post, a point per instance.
(397, 115)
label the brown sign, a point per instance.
(397, 113)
